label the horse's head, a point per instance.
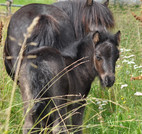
(96, 15)
(106, 54)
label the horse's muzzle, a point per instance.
(108, 81)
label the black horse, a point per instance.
(58, 26)
(53, 85)
(87, 15)
(52, 28)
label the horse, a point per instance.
(59, 24)
(87, 15)
(54, 85)
(53, 27)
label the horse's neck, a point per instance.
(74, 11)
(87, 69)
(82, 69)
(81, 78)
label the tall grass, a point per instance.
(108, 111)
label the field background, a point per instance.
(109, 111)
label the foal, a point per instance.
(53, 80)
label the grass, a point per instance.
(109, 111)
(126, 120)
(24, 2)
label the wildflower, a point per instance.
(129, 62)
(88, 126)
(105, 101)
(127, 72)
(117, 66)
(122, 98)
(101, 103)
(138, 94)
(100, 107)
(136, 67)
(130, 56)
(98, 102)
(125, 50)
(125, 85)
(124, 102)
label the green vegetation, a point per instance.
(24, 2)
(109, 111)
(123, 116)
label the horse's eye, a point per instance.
(98, 58)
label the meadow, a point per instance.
(117, 110)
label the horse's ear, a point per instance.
(106, 3)
(96, 37)
(118, 36)
(89, 2)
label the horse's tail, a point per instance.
(7, 61)
(44, 33)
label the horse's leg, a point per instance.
(59, 101)
(77, 111)
(28, 102)
(27, 97)
(59, 115)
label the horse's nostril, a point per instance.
(109, 81)
(106, 79)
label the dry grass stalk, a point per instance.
(139, 18)
(28, 34)
(1, 27)
(137, 78)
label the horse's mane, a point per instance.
(84, 17)
(82, 46)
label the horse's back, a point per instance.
(45, 34)
(48, 64)
(22, 19)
